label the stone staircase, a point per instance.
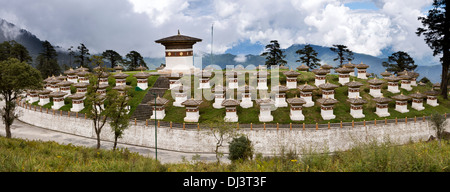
(143, 110)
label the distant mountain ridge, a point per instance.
(9, 31)
(324, 54)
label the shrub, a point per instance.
(240, 149)
(425, 80)
(439, 123)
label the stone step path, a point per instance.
(143, 110)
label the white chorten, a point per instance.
(192, 110)
(296, 108)
(417, 101)
(179, 53)
(382, 106)
(401, 103)
(356, 107)
(230, 106)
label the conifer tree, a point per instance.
(134, 60)
(344, 54)
(12, 49)
(113, 57)
(437, 36)
(47, 61)
(274, 55)
(308, 56)
(398, 62)
(82, 57)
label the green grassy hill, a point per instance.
(312, 114)
(281, 115)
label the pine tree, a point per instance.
(344, 54)
(437, 36)
(47, 61)
(71, 54)
(12, 49)
(399, 62)
(308, 56)
(274, 55)
(113, 57)
(134, 60)
(82, 57)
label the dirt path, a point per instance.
(26, 131)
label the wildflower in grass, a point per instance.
(58, 156)
(294, 160)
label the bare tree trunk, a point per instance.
(8, 113)
(6, 120)
(97, 132)
(446, 53)
(217, 151)
(8, 131)
(98, 140)
(444, 81)
(115, 143)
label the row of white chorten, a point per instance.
(305, 100)
(58, 87)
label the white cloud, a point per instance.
(364, 32)
(160, 12)
(126, 25)
(241, 58)
(403, 15)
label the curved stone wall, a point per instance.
(267, 141)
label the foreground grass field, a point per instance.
(18, 155)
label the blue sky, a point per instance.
(368, 5)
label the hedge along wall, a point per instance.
(268, 141)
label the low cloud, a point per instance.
(241, 58)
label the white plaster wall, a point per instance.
(267, 142)
(179, 63)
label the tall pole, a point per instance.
(156, 136)
(212, 42)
